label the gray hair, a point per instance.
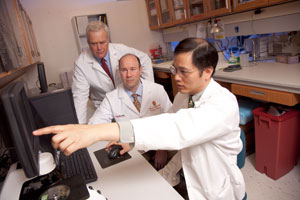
(95, 26)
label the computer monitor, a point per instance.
(26, 114)
(53, 108)
(42, 77)
(21, 124)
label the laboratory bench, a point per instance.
(267, 81)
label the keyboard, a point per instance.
(78, 162)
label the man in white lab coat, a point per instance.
(204, 127)
(118, 105)
(96, 71)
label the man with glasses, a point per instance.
(203, 125)
(121, 105)
(96, 69)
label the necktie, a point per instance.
(191, 102)
(105, 67)
(136, 102)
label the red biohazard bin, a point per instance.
(277, 141)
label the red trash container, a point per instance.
(277, 141)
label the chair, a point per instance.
(242, 155)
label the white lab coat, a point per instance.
(209, 138)
(118, 105)
(90, 80)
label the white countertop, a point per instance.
(133, 179)
(276, 76)
(270, 75)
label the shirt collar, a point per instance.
(106, 58)
(139, 91)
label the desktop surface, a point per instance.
(133, 179)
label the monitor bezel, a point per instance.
(26, 145)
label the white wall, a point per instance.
(51, 20)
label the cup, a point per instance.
(244, 60)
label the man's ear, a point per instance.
(208, 72)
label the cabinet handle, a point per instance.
(184, 14)
(226, 4)
(257, 93)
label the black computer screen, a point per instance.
(26, 114)
(53, 108)
(21, 124)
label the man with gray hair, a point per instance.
(96, 71)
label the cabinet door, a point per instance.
(152, 8)
(218, 7)
(164, 10)
(14, 42)
(197, 9)
(179, 11)
(29, 35)
(240, 5)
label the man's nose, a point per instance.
(177, 77)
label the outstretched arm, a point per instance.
(70, 138)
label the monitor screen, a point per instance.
(26, 114)
(21, 124)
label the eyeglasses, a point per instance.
(181, 72)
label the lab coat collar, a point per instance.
(197, 98)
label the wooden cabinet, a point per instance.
(179, 11)
(19, 51)
(18, 44)
(152, 9)
(243, 5)
(165, 13)
(275, 96)
(201, 9)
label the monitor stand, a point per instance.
(46, 163)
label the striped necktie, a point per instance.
(191, 102)
(105, 67)
(136, 102)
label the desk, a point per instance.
(133, 179)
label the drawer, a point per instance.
(275, 96)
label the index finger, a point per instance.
(47, 130)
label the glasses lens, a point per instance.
(173, 70)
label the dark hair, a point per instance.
(130, 54)
(204, 53)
